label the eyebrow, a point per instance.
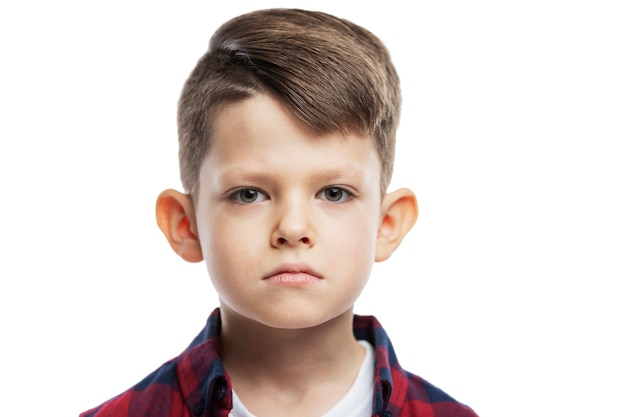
(323, 175)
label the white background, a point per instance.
(508, 293)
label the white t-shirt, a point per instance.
(356, 403)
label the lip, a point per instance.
(293, 274)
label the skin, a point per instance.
(289, 226)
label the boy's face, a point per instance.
(287, 222)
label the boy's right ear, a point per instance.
(175, 217)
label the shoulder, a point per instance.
(176, 387)
(413, 396)
(404, 393)
(158, 394)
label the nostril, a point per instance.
(305, 240)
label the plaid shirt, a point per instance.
(195, 383)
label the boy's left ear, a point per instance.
(398, 214)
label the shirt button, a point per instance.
(220, 393)
(198, 409)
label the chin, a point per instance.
(298, 320)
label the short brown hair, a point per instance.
(333, 75)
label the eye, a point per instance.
(248, 196)
(335, 194)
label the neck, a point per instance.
(289, 359)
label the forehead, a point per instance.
(259, 132)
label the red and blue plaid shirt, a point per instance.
(195, 383)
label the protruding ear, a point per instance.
(175, 217)
(398, 215)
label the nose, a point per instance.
(293, 225)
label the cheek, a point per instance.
(353, 259)
(354, 240)
(227, 245)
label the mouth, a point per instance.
(294, 274)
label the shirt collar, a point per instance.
(205, 384)
(368, 328)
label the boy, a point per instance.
(286, 132)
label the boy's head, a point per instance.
(331, 74)
(287, 130)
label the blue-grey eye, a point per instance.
(248, 195)
(335, 194)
